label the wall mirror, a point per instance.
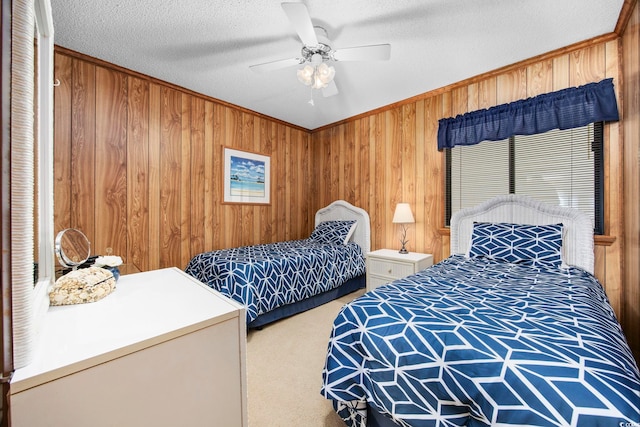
(43, 175)
(72, 248)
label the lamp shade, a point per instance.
(403, 214)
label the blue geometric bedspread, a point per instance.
(477, 342)
(264, 277)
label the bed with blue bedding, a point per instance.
(280, 279)
(511, 329)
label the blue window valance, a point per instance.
(564, 109)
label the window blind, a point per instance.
(560, 167)
(564, 175)
(478, 173)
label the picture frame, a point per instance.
(247, 177)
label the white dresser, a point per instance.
(161, 350)
(387, 265)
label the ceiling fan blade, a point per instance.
(301, 21)
(375, 52)
(276, 65)
(330, 90)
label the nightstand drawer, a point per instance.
(374, 281)
(391, 269)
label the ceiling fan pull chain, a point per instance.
(311, 99)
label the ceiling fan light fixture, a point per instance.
(318, 76)
(305, 74)
(326, 72)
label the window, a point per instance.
(560, 167)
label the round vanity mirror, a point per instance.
(72, 248)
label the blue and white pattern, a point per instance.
(518, 243)
(481, 342)
(264, 277)
(333, 232)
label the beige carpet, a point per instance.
(284, 370)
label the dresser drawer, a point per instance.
(391, 269)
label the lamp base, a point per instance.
(403, 240)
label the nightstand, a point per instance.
(387, 265)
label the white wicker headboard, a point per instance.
(577, 244)
(342, 210)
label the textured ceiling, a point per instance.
(207, 46)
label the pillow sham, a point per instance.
(336, 232)
(536, 245)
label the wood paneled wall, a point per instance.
(380, 159)
(631, 166)
(137, 167)
(138, 163)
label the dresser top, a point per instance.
(145, 309)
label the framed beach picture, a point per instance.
(247, 177)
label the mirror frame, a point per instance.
(31, 87)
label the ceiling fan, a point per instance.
(317, 52)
